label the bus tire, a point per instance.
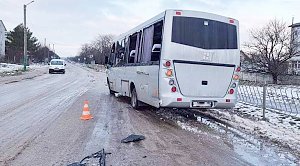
(134, 99)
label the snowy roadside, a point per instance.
(13, 73)
(281, 129)
(220, 125)
(10, 69)
(96, 67)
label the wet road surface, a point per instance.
(40, 125)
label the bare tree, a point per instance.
(271, 47)
(99, 48)
(102, 44)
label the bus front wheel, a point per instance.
(134, 99)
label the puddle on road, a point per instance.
(253, 150)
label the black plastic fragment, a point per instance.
(133, 138)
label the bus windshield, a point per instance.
(204, 33)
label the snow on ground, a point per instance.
(279, 128)
(37, 66)
(7, 69)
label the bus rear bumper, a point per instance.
(181, 102)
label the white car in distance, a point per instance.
(57, 66)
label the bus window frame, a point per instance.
(141, 33)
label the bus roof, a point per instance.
(162, 15)
(141, 26)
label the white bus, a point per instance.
(179, 58)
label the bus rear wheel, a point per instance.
(134, 99)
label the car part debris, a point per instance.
(132, 138)
(100, 154)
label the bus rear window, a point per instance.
(204, 33)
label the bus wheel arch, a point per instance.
(109, 88)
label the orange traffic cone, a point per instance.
(86, 115)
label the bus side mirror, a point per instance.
(156, 48)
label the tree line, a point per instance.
(94, 51)
(14, 47)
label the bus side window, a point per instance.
(132, 48)
(157, 40)
(112, 54)
(146, 45)
(152, 39)
(120, 53)
(126, 49)
(113, 47)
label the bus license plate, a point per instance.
(202, 104)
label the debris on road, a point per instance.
(133, 138)
(85, 161)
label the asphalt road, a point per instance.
(40, 125)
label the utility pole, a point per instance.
(25, 37)
(48, 53)
(25, 40)
(45, 50)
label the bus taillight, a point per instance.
(167, 64)
(236, 77)
(174, 89)
(178, 13)
(238, 69)
(231, 91)
(169, 73)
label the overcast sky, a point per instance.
(70, 23)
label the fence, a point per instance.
(283, 98)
